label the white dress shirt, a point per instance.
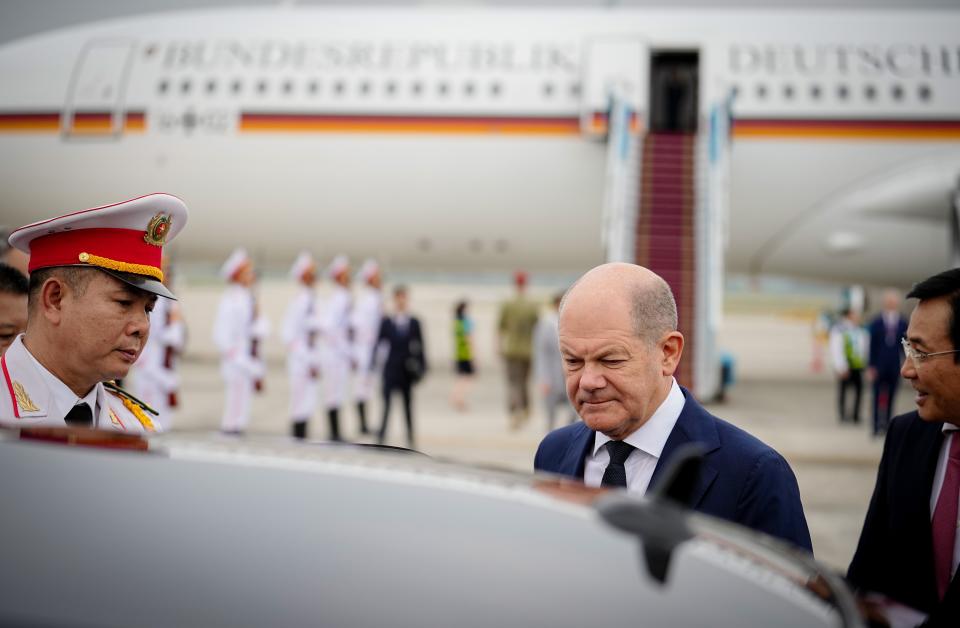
(62, 399)
(648, 440)
(950, 432)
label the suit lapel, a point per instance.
(694, 425)
(574, 458)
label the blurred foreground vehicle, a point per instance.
(192, 532)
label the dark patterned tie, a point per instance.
(945, 518)
(79, 416)
(615, 473)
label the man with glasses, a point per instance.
(908, 548)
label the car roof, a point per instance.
(201, 532)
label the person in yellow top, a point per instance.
(94, 278)
(518, 317)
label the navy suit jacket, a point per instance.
(884, 357)
(895, 552)
(742, 479)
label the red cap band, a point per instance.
(124, 246)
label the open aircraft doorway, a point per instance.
(674, 77)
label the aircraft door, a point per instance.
(97, 91)
(615, 67)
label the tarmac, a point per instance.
(778, 397)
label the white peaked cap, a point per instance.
(339, 264)
(234, 263)
(302, 264)
(368, 270)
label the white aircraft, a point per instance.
(810, 143)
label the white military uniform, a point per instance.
(366, 318)
(235, 329)
(155, 379)
(34, 397)
(301, 335)
(336, 351)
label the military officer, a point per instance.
(95, 278)
(336, 352)
(238, 332)
(365, 322)
(301, 328)
(156, 380)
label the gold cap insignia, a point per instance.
(157, 230)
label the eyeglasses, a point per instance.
(919, 356)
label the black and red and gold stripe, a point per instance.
(846, 129)
(84, 122)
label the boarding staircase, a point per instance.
(666, 228)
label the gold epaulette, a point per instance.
(120, 392)
(134, 405)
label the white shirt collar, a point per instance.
(651, 437)
(62, 399)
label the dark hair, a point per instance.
(77, 277)
(12, 281)
(399, 289)
(461, 309)
(947, 285)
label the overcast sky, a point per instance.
(20, 18)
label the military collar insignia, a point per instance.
(23, 399)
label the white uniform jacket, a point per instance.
(366, 318)
(335, 324)
(301, 322)
(165, 335)
(33, 397)
(234, 331)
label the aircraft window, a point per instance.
(163, 86)
(424, 244)
(734, 91)
(185, 86)
(237, 86)
(548, 89)
(788, 92)
(476, 246)
(761, 91)
(469, 88)
(313, 87)
(211, 86)
(416, 88)
(288, 87)
(495, 89)
(365, 88)
(842, 92)
(924, 92)
(443, 88)
(815, 92)
(262, 87)
(501, 245)
(870, 92)
(339, 87)
(575, 90)
(897, 92)
(391, 88)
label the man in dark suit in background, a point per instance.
(620, 346)
(908, 548)
(886, 356)
(406, 360)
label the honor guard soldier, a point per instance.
(238, 333)
(301, 330)
(336, 351)
(95, 277)
(367, 313)
(156, 380)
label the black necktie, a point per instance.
(79, 416)
(615, 473)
